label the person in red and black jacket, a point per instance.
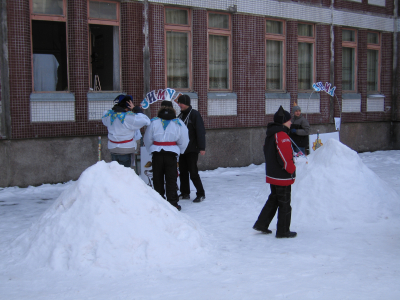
(281, 173)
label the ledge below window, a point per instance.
(52, 107)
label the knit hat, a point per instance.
(184, 99)
(281, 116)
(166, 103)
(295, 107)
(122, 100)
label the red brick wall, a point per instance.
(249, 69)
(132, 43)
(338, 70)
(291, 59)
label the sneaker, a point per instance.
(289, 234)
(184, 197)
(261, 229)
(199, 199)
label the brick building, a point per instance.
(62, 62)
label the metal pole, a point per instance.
(146, 54)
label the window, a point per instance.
(178, 48)
(306, 57)
(275, 55)
(49, 45)
(219, 51)
(104, 72)
(373, 62)
(349, 60)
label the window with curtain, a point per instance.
(373, 62)
(178, 48)
(306, 57)
(275, 53)
(219, 52)
(49, 45)
(349, 59)
(104, 46)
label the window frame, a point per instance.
(220, 32)
(309, 40)
(183, 29)
(98, 21)
(354, 45)
(54, 18)
(281, 38)
(378, 48)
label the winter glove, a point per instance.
(293, 130)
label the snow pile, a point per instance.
(109, 218)
(335, 185)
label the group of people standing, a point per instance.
(168, 137)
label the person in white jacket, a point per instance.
(166, 138)
(123, 121)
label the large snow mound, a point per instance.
(109, 218)
(336, 186)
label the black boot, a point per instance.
(262, 229)
(290, 234)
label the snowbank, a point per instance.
(336, 186)
(109, 218)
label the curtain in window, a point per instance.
(45, 72)
(274, 65)
(176, 16)
(274, 27)
(348, 71)
(305, 66)
(218, 62)
(372, 70)
(177, 60)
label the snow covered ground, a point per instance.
(109, 236)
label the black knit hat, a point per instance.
(282, 116)
(166, 103)
(184, 99)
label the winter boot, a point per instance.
(199, 199)
(289, 234)
(184, 197)
(262, 229)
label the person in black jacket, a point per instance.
(197, 144)
(280, 171)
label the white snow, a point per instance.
(109, 236)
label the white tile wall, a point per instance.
(222, 107)
(351, 105)
(272, 105)
(97, 108)
(309, 106)
(375, 104)
(296, 11)
(52, 111)
(377, 2)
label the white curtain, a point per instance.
(305, 66)
(274, 65)
(218, 62)
(45, 72)
(348, 73)
(177, 60)
(372, 70)
(48, 7)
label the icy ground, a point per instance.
(108, 236)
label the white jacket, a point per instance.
(176, 131)
(122, 126)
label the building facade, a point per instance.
(62, 62)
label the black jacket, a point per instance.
(278, 152)
(197, 132)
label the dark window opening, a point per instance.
(50, 69)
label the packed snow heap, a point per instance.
(109, 218)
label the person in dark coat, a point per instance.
(197, 144)
(299, 130)
(280, 170)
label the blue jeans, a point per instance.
(122, 159)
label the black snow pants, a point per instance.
(165, 166)
(279, 199)
(188, 165)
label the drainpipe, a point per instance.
(5, 117)
(332, 67)
(395, 90)
(146, 55)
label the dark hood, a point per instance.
(167, 113)
(273, 128)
